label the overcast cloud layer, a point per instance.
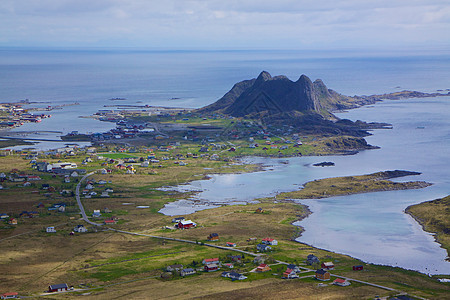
(288, 24)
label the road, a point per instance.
(80, 205)
(85, 218)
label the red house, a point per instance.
(211, 267)
(185, 224)
(358, 268)
(57, 288)
(328, 265)
(12, 295)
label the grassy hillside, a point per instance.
(434, 216)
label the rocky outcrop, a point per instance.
(270, 96)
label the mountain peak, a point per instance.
(263, 76)
(271, 96)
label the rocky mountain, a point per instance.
(280, 101)
(268, 96)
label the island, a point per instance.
(88, 217)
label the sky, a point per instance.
(226, 24)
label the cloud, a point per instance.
(214, 23)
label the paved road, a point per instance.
(80, 205)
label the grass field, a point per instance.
(434, 216)
(348, 185)
(117, 265)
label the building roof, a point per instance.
(321, 271)
(176, 266)
(188, 270)
(268, 240)
(211, 259)
(328, 264)
(340, 280)
(186, 222)
(58, 286)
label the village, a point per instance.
(15, 115)
(38, 200)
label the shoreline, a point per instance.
(424, 226)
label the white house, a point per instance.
(341, 282)
(188, 271)
(80, 228)
(50, 229)
(269, 241)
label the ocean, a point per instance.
(191, 78)
(372, 227)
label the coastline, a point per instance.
(422, 221)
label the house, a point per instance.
(312, 259)
(358, 268)
(80, 228)
(178, 219)
(341, 282)
(66, 179)
(40, 205)
(263, 268)
(236, 258)
(263, 247)
(4, 216)
(229, 244)
(236, 276)
(213, 237)
(57, 287)
(322, 274)
(109, 222)
(229, 265)
(33, 178)
(176, 268)
(211, 267)
(269, 241)
(104, 194)
(12, 221)
(12, 295)
(96, 213)
(293, 267)
(186, 272)
(289, 274)
(185, 224)
(50, 229)
(208, 261)
(259, 210)
(225, 274)
(328, 265)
